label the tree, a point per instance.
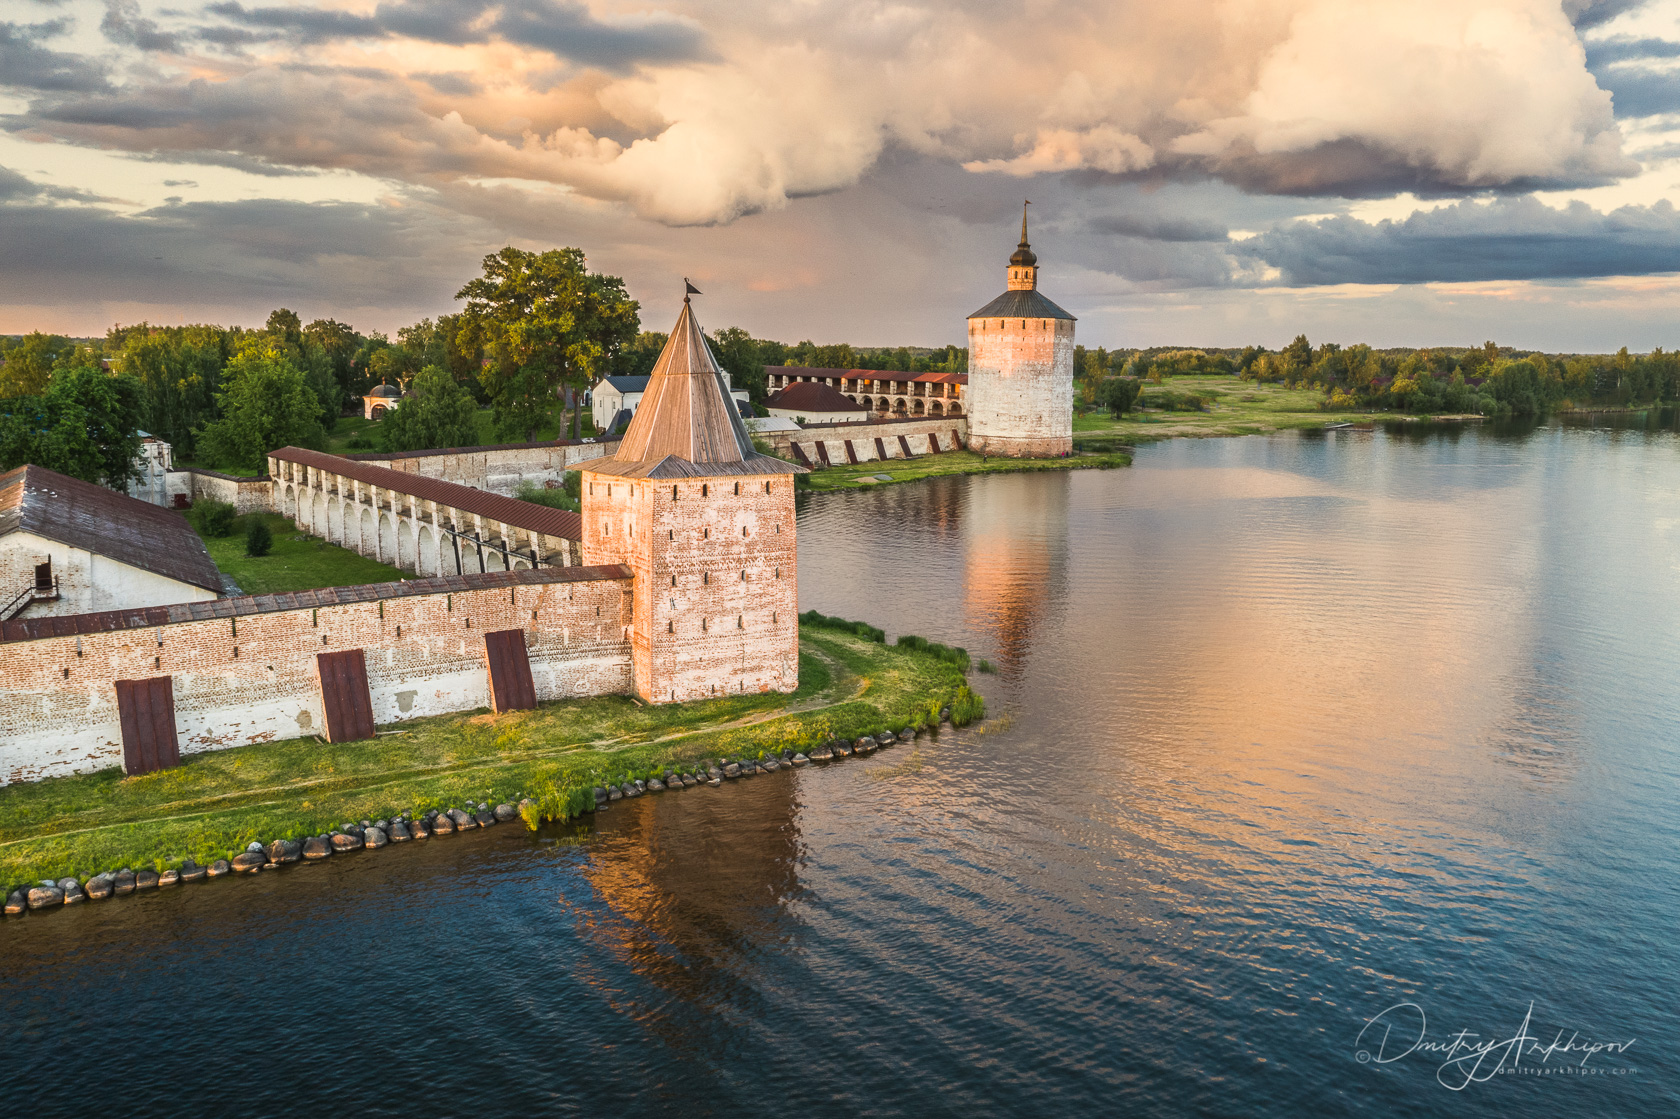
(29, 364)
(545, 323)
(1118, 394)
(179, 369)
(258, 538)
(441, 413)
(736, 351)
(83, 425)
(266, 403)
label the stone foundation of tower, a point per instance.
(1020, 387)
(716, 604)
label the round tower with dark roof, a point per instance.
(1020, 368)
(706, 524)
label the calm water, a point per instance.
(1288, 731)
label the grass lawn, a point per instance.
(951, 462)
(215, 803)
(1238, 408)
(296, 563)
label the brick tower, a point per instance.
(1020, 368)
(706, 523)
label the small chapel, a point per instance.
(706, 524)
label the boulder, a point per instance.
(842, 749)
(317, 847)
(712, 774)
(170, 877)
(944, 714)
(255, 845)
(417, 830)
(248, 862)
(399, 832)
(689, 780)
(443, 825)
(600, 795)
(631, 790)
(345, 841)
(485, 818)
(801, 759)
(192, 872)
(614, 794)
(146, 880)
(864, 745)
(72, 891)
(373, 839)
(715, 782)
(16, 902)
(383, 825)
(462, 821)
(40, 897)
(285, 851)
(733, 769)
(123, 883)
(98, 887)
(505, 812)
(656, 786)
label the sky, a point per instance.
(1220, 173)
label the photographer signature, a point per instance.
(1402, 1030)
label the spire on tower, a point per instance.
(1024, 206)
(1023, 256)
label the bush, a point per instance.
(862, 629)
(967, 707)
(554, 499)
(1119, 394)
(258, 540)
(948, 653)
(1178, 401)
(212, 518)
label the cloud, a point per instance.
(124, 24)
(26, 64)
(1504, 239)
(1175, 228)
(562, 28)
(1639, 90)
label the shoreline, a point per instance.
(953, 464)
(537, 765)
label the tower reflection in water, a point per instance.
(1015, 553)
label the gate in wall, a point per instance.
(511, 685)
(147, 711)
(345, 695)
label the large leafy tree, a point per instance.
(82, 425)
(441, 413)
(29, 363)
(179, 368)
(266, 403)
(546, 324)
(738, 353)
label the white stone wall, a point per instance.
(86, 581)
(1020, 387)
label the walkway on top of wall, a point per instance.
(68, 625)
(494, 507)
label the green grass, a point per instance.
(296, 563)
(215, 803)
(1237, 408)
(952, 462)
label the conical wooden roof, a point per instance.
(687, 424)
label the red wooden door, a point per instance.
(147, 711)
(345, 695)
(511, 686)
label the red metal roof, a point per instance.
(866, 374)
(490, 506)
(104, 522)
(104, 621)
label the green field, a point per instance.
(297, 562)
(951, 462)
(1237, 408)
(215, 803)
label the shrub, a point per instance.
(966, 707)
(554, 499)
(258, 540)
(948, 653)
(212, 518)
(986, 666)
(862, 629)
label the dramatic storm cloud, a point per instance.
(1189, 146)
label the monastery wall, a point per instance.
(499, 469)
(249, 674)
(716, 603)
(246, 495)
(1020, 387)
(870, 442)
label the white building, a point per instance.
(153, 464)
(613, 395)
(814, 403)
(71, 547)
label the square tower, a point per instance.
(707, 526)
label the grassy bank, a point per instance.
(213, 804)
(953, 462)
(295, 563)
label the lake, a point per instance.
(1289, 735)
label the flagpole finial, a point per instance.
(689, 289)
